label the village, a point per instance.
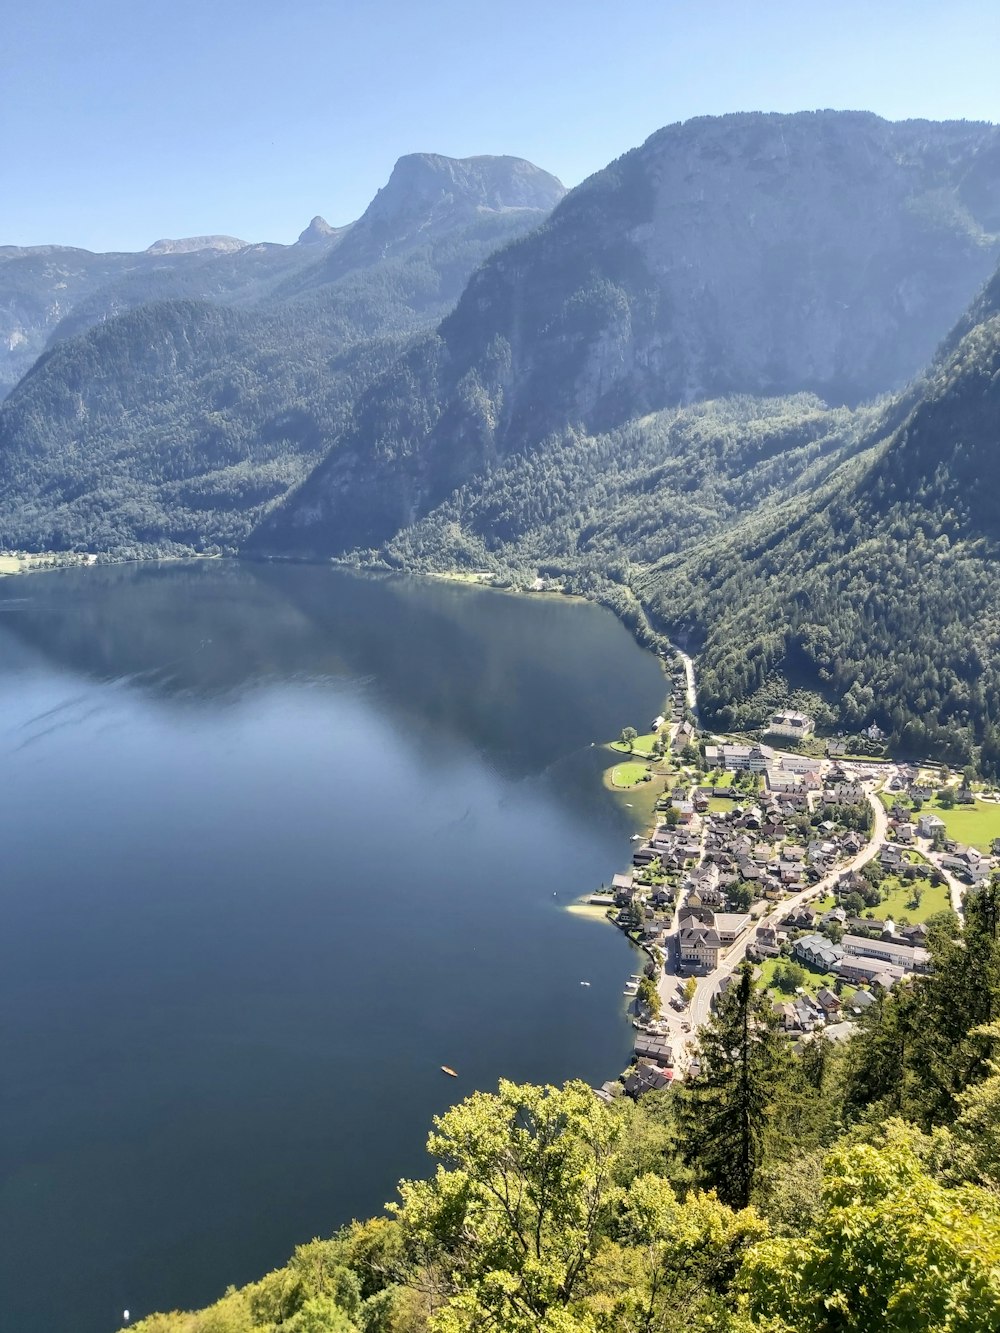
(818, 866)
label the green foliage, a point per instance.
(892, 1249)
(728, 1109)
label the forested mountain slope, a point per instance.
(880, 590)
(762, 254)
(49, 293)
(175, 425)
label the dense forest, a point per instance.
(879, 587)
(816, 1188)
(174, 425)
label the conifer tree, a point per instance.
(727, 1109)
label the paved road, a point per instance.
(699, 1009)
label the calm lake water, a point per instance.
(277, 844)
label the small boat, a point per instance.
(450, 1072)
(584, 983)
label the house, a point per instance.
(657, 1049)
(623, 887)
(870, 970)
(829, 1002)
(928, 826)
(787, 722)
(817, 951)
(861, 1000)
(890, 857)
(807, 1015)
(646, 1077)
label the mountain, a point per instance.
(54, 292)
(823, 252)
(429, 197)
(49, 293)
(877, 592)
(195, 393)
(319, 232)
(190, 245)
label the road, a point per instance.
(699, 1009)
(690, 691)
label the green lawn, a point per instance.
(720, 804)
(814, 981)
(975, 825)
(627, 775)
(641, 746)
(934, 898)
(725, 779)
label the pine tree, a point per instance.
(727, 1109)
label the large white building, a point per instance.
(787, 722)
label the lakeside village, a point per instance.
(819, 864)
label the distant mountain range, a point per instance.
(744, 378)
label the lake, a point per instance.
(278, 843)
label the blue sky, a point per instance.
(124, 122)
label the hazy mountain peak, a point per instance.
(318, 231)
(194, 244)
(433, 183)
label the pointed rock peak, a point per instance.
(420, 180)
(319, 230)
(190, 245)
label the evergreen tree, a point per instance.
(729, 1107)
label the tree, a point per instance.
(690, 986)
(669, 1263)
(946, 798)
(649, 996)
(788, 977)
(727, 1109)
(514, 1215)
(892, 1249)
(741, 896)
(629, 736)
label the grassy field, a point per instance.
(975, 825)
(725, 779)
(934, 898)
(642, 746)
(10, 564)
(627, 775)
(720, 804)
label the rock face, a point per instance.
(319, 232)
(427, 186)
(763, 254)
(190, 245)
(429, 197)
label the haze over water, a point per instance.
(279, 842)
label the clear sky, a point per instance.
(122, 121)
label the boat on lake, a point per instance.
(445, 1069)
